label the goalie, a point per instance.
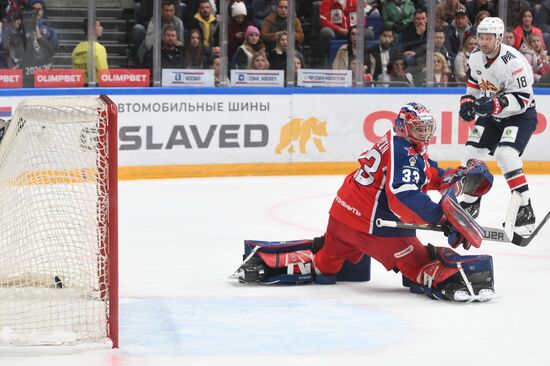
(391, 184)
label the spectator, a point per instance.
(298, 61)
(260, 10)
(337, 17)
(479, 17)
(475, 6)
(80, 55)
(515, 11)
(143, 12)
(31, 43)
(205, 21)
(509, 37)
(276, 22)
(171, 51)
(397, 14)
(250, 46)
(236, 28)
(191, 8)
(195, 54)
(461, 61)
(445, 12)
(525, 28)
(537, 57)
(259, 61)
(413, 40)
(381, 54)
(442, 73)
(367, 76)
(277, 56)
(456, 31)
(541, 17)
(168, 17)
(346, 52)
(397, 73)
(439, 45)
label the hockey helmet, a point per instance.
(416, 123)
(491, 25)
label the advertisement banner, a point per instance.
(188, 77)
(245, 78)
(58, 78)
(175, 130)
(11, 78)
(123, 77)
(326, 78)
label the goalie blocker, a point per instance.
(291, 262)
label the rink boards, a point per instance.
(191, 132)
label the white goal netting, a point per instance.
(54, 215)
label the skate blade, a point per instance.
(483, 296)
(525, 230)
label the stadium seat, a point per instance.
(375, 24)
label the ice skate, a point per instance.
(472, 208)
(525, 220)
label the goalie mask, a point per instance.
(415, 123)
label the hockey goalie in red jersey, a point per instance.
(391, 184)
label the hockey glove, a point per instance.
(467, 112)
(454, 238)
(485, 106)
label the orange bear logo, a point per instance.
(302, 130)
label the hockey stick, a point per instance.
(524, 241)
(489, 233)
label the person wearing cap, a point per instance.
(237, 27)
(456, 32)
(251, 45)
(445, 12)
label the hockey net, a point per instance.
(58, 209)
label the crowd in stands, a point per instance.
(395, 52)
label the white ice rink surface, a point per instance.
(180, 239)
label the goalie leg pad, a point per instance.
(291, 262)
(274, 262)
(477, 270)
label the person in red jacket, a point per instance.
(525, 28)
(337, 17)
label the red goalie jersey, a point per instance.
(391, 184)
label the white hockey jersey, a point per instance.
(509, 72)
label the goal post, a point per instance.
(58, 209)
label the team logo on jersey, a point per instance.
(507, 57)
(302, 130)
(486, 85)
(410, 151)
(412, 161)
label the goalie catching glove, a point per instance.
(474, 179)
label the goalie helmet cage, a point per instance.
(58, 207)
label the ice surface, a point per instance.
(180, 239)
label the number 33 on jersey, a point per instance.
(391, 184)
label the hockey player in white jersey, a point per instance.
(499, 92)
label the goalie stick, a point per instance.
(505, 235)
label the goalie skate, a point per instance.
(483, 296)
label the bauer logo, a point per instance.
(302, 131)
